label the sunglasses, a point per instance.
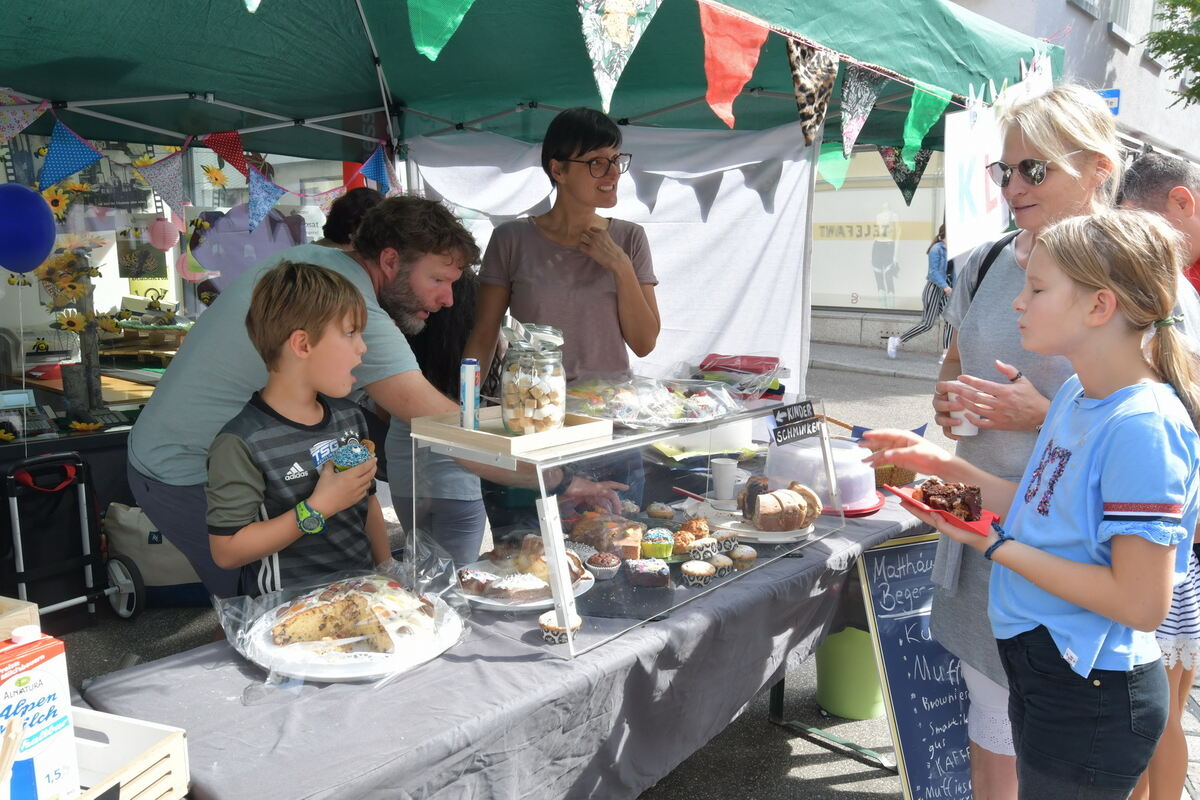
(599, 166)
(1031, 170)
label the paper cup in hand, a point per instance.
(724, 476)
(962, 425)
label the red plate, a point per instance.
(982, 526)
(860, 511)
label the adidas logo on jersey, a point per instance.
(295, 472)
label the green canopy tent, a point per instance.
(296, 73)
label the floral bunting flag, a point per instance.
(66, 155)
(860, 89)
(928, 103)
(263, 196)
(611, 29)
(433, 22)
(326, 199)
(228, 145)
(905, 177)
(165, 177)
(375, 170)
(813, 73)
(15, 120)
(731, 47)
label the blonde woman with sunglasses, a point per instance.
(1060, 158)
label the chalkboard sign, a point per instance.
(924, 691)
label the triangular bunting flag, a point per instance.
(907, 179)
(928, 103)
(228, 145)
(375, 169)
(66, 155)
(393, 178)
(731, 47)
(763, 177)
(646, 186)
(833, 164)
(433, 22)
(813, 73)
(15, 120)
(325, 200)
(611, 30)
(263, 195)
(165, 177)
(860, 89)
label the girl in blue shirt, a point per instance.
(1085, 563)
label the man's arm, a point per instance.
(381, 551)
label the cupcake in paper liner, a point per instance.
(697, 573)
(552, 632)
(702, 548)
(657, 543)
(722, 563)
(349, 456)
(603, 566)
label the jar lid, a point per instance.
(23, 634)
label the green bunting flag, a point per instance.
(833, 164)
(928, 103)
(433, 22)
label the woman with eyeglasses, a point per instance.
(1060, 158)
(587, 274)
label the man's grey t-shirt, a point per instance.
(987, 331)
(218, 369)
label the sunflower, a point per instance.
(58, 200)
(107, 324)
(72, 290)
(76, 186)
(6, 435)
(71, 323)
(215, 176)
(143, 160)
(76, 425)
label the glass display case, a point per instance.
(602, 529)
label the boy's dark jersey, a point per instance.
(261, 465)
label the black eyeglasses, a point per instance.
(599, 166)
(1032, 170)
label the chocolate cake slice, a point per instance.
(960, 499)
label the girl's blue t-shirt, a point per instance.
(1123, 465)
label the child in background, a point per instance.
(1099, 528)
(276, 506)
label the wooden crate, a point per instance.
(148, 761)
(492, 438)
(15, 613)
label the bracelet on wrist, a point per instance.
(561, 486)
(1001, 538)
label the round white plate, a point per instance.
(581, 586)
(305, 663)
(734, 521)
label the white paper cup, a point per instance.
(962, 425)
(724, 477)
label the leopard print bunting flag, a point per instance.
(813, 72)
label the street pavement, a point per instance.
(752, 758)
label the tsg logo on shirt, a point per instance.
(321, 451)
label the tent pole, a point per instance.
(300, 123)
(122, 100)
(384, 91)
(129, 123)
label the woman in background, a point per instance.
(934, 298)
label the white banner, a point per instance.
(975, 210)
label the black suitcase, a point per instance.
(50, 548)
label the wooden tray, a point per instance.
(492, 438)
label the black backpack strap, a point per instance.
(991, 256)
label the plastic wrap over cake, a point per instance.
(650, 403)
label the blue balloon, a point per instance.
(26, 228)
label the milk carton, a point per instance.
(34, 693)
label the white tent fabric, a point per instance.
(726, 213)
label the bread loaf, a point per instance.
(781, 510)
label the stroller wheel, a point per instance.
(126, 589)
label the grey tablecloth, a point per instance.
(496, 717)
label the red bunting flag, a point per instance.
(731, 47)
(228, 145)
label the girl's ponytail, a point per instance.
(1135, 254)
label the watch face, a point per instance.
(311, 524)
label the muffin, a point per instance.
(660, 511)
(603, 566)
(697, 573)
(703, 548)
(349, 456)
(554, 633)
(648, 572)
(743, 556)
(657, 543)
(726, 539)
(697, 526)
(683, 542)
(629, 508)
(722, 563)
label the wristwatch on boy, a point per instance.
(309, 519)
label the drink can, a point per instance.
(468, 393)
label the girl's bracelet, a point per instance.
(1002, 537)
